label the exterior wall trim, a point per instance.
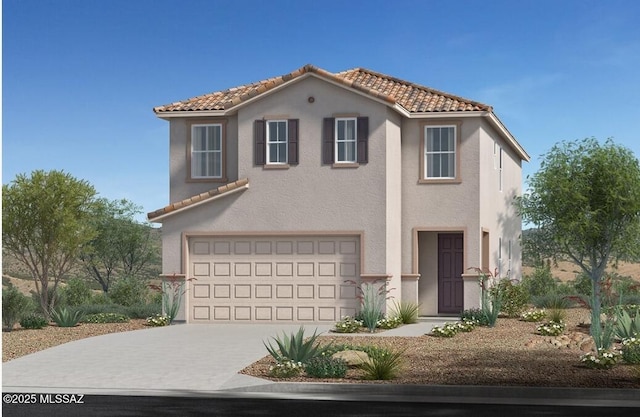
(414, 243)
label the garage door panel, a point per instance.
(273, 279)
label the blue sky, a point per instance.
(80, 77)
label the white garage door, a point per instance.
(273, 278)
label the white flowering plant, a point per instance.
(389, 322)
(447, 330)
(348, 325)
(552, 328)
(533, 316)
(158, 320)
(286, 369)
(602, 359)
(631, 350)
(467, 325)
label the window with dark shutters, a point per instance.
(293, 141)
(363, 139)
(259, 139)
(328, 140)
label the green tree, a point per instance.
(44, 225)
(585, 203)
(121, 246)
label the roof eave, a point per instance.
(160, 218)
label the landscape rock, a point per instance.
(352, 357)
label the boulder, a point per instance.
(352, 357)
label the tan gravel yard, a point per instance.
(508, 354)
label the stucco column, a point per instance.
(472, 291)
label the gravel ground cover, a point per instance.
(510, 354)
(20, 342)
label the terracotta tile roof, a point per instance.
(413, 97)
(197, 199)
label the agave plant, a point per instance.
(294, 347)
(407, 311)
(627, 326)
(64, 317)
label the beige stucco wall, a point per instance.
(306, 197)
(179, 187)
(498, 212)
(446, 206)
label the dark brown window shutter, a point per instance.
(293, 141)
(259, 139)
(363, 140)
(328, 131)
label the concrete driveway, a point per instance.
(180, 358)
(186, 358)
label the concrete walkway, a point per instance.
(178, 359)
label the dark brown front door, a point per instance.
(450, 264)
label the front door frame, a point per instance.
(451, 273)
(415, 256)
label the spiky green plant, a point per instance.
(65, 317)
(626, 325)
(295, 347)
(406, 311)
(383, 365)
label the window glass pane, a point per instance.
(436, 140)
(444, 159)
(430, 172)
(351, 151)
(351, 130)
(273, 152)
(273, 131)
(282, 152)
(216, 170)
(341, 130)
(429, 140)
(198, 139)
(452, 165)
(216, 133)
(341, 151)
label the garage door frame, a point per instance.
(187, 236)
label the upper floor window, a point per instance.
(206, 151)
(275, 142)
(345, 141)
(440, 152)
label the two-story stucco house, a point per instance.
(288, 192)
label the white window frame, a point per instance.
(195, 153)
(270, 141)
(495, 154)
(346, 141)
(449, 152)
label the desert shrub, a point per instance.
(627, 325)
(100, 298)
(540, 282)
(326, 367)
(533, 316)
(141, 311)
(406, 311)
(382, 365)
(66, 317)
(157, 320)
(556, 315)
(347, 325)
(582, 284)
(286, 369)
(295, 348)
(52, 294)
(630, 299)
(551, 328)
(88, 309)
(105, 318)
(33, 321)
(475, 314)
(15, 306)
(76, 292)
(514, 297)
(129, 291)
(372, 296)
(551, 301)
(389, 322)
(631, 350)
